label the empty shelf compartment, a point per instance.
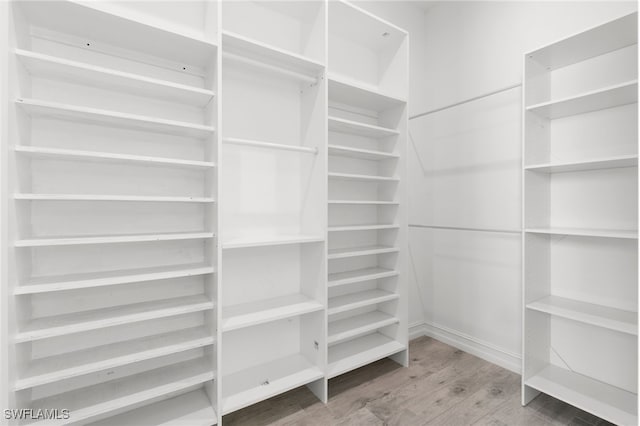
(357, 325)
(359, 299)
(355, 353)
(359, 275)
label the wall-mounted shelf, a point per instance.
(364, 178)
(355, 353)
(96, 197)
(365, 154)
(358, 325)
(585, 232)
(270, 145)
(364, 202)
(360, 275)
(352, 92)
(374, 227)
(576, 166)
(359, 299)
(67, 241)
(342, 125)
(360, 251)
(276, 240)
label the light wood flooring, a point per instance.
(442, 386)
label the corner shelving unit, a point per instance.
(580, 245)
(367, 123)
(112, 276)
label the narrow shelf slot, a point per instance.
(586, 232)
(342, 125)
(366, 178)
(364, 154)
(358, 94)
(79, 155)
(68, 365)
(359, 299)
(576, 166)
(88, 115)
(360, 275)
(112, 239)
(125, 198)
(262, 311)
(132, 391)
(347, 228)
(611, 403)
(270, 145)
(352, 354)
(101, 279)
(271, 241)
(358, 325)
(43, 328)
(608, 97)
(42, 65)
(588, 313)
(360, 251)
(254, 384)
(365, 202)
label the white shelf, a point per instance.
(342, 125)
(68, 365)
(43, 328)
(111, 239)
(586, 232)
(576, 166)
(360, 251)
(278, 240)
(372, 202)
(359, 299)
(262, 311)
(360, 275)
(365, 154)
(96, 197)
(358, 325)
(355, 353)
(101, 279)
(270, 145)
(246, 387)
(611, 403)
(47, 66)
(189, 409)
(79, 18)
(72, 154)
(347, 228)
(102, 117)
(608, 97)
(366, 178)
(588, 313)
(132, 391)
(355, 93)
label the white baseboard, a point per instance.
(468, 344)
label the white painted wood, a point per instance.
(92, 197)
(362, 227)
(360, 251)
(271, 145)
(360, 153)
(596, 164)
(602, 233)
(352, 354)
(365, 178)
(337, 124)
(360, 299)
(352, 92)
(272, 241)
(364, 202)
(41, 242)
(359, 275)
(358, 325)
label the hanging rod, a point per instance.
(460, 228)
(475, 98)
(268, 67)
(260, 144)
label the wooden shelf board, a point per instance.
(359, 299)
(358, 325)
(254, 384)
(269, 145)
(111, 239)
(352, 354)
(101, 279)
(365, 154)
(359, 275)
(132, 391)
(575, 166)
(598, 315)
(61, 325)
(611, 403)
(586, 232)
(355, 93)
(275, 240)
(373, 227)
(68, 365)
(189, 409)
(79, 155)
(36, 107)
(342, 125)
(608, 97)
(360, 251)
(349, 176)
(42, 65)
(261, 311)
(372, 202)
(79, 18)
(126, 198)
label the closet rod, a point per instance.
(460, 228)
(272, 68)
(475, 98)
(260, 144)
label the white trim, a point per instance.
(417, 329)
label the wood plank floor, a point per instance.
(442, 386)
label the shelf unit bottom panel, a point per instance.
(263, 381)
(611, 403)
(190, 409)
(355, 353)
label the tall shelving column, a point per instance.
(367, 234)
(273, 266)
(580, 245)
(112, 191)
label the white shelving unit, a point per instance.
(580, 245)
(367, 122)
